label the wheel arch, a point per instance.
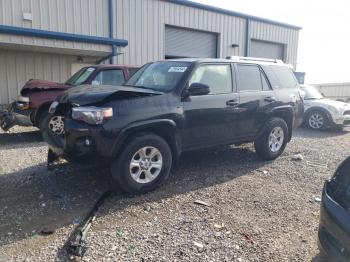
(317, 108)
(165, 128)
(286, 113)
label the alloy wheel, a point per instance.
(316, 121)
(276, 139)
(56, 125)
(146, 165)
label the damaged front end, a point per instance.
(88, 113)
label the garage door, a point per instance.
(266, 50)
(180, 42)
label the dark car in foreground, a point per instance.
(173, 106)
(334, 230)
(31, 107)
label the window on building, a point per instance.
(110, 77)
(217, 77)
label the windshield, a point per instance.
(311, 93)
(80, 77)
(161, 76)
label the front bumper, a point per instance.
(82, 141)
(13, 116)
(334, 230)
(343, 120)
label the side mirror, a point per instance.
(198, 89)
(95, 83)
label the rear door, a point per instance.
(209, 119)
(287, 89)
(256, 99)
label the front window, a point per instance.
(81, 76)
(160, 76)
(217, 77)
(311, 93)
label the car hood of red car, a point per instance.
(38, 85)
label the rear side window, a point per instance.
(217, 77)
(249, 78)
(281, 76)
(110, 77)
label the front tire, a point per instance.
(273, 140)
(317, 120)
(143, 164)
(51, 125)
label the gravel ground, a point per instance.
(259, 210)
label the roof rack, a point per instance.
(243, 58)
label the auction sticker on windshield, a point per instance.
(177, 69)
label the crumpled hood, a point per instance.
(37, 85)
(88, 94)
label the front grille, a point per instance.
(347, 112)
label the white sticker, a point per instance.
(90, 69)
(177, 69)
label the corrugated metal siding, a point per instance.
(142, 22)
(335, 90)
(181, 42)
(277, 34)
(16, 68)
(86, 17)
(265, 49)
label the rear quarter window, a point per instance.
(280, 76)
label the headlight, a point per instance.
(92, 115)
(24, 99)
(22, 103)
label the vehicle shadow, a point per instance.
(16, 139)
(34, 199)
(308, 133)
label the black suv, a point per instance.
(173, 106)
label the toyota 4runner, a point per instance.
(173, 106)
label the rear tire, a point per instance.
(143, 164)
(273, 140)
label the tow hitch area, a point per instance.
(76, 246)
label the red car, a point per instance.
(31, 108)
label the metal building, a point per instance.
(51, 39)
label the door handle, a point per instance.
(270, 99)
(232, 103)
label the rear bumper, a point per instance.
(334, 230)
(12, 116)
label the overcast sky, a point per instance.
(324, 43)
